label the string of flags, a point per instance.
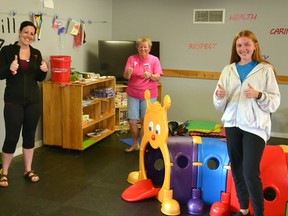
(73, 27)
(15, 13)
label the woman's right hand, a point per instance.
(220, 93)
(14, 65)
(129, 71)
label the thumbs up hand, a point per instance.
(250, 92)
(129, 71)
(14, 65)
(220, 93)
(43, 66)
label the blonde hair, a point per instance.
(143, 40)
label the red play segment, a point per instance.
(140, 190)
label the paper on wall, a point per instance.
(49, 4)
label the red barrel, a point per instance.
(60, 68)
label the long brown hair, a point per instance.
(257, 55)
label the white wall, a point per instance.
(170, 22)
(83, 58)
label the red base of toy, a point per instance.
(140, 190)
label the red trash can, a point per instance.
(60, 68)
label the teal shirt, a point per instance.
(244, 70)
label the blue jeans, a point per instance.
(137, 107)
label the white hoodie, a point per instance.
(250, 115)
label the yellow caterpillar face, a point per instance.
(155, 121)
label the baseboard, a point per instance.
(279, 135)
(19, 150)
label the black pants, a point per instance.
(17, 116)
(245, 151)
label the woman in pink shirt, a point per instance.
(143, 71)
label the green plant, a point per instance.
(74, 75)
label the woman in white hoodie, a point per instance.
(247, 93)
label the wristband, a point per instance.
(259, 96)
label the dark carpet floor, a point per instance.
(79, 183)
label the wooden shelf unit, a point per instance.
(63, 111)
(121, 123)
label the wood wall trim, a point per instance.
(206, 75)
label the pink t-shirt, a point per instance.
(137, 84)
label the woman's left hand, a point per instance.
(147, 75)
(250, 92)
(43, 66)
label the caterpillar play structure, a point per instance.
(194, 171)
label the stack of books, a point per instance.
(102, 93)
(121, 99)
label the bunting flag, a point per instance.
(56, 23)
(79, 39)
(38, 23)
(73, 27)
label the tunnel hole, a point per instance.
(213, 163)
(159, 164)
(269, 194)
(182, 161)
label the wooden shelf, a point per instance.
(63, 112)
(89, 141)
